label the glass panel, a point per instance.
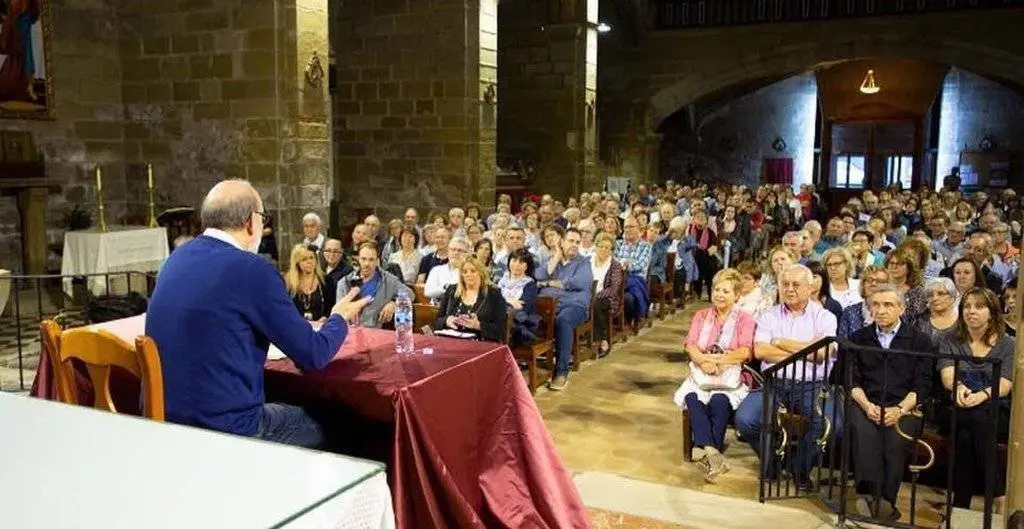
(899, 169)
(848, 171)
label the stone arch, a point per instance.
(788, 51)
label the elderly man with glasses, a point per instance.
(441, 276)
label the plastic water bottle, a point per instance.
(403, 324)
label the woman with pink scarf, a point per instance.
(720, 341)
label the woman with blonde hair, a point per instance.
(720, 341)
(305, 282)
(778, 259)
(473, 305)
(841, 286)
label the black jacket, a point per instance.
(899, 373)
(491, 310)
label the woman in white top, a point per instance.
(839, 267)
(609, 275)
(752, 300)
(407, 257)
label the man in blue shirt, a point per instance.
(216, 309)
(569, 279)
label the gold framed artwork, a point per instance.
(26, 88)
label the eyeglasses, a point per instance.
(263, 215)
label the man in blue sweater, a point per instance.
(216, 309)
(568, 278)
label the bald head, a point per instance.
(230, 205)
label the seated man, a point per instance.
(782, 330)
(336, 268)
(216, 309)
(635, 257)
(441, 276)
(568, 278)
(885, 389)
(436, 258)
(378, 285)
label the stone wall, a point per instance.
(730, 143)
(217, 91)
(974, 107)
(548, 80)
(85, 73)
(409, 125)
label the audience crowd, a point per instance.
(893, 269)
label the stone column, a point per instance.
(412, 104)
(548, 111)
(32, 208)
(1014, 510)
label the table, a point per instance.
(122, 249)
(465, 442)
(111, 471)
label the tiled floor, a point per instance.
(617, 417)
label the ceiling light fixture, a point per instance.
(603, 28)
(869, 86)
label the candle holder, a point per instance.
(152, 206)
(99, 199)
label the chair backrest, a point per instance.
(423, 314)
(593, 301)
(100, 350)
(419, 295)
(670, 268)
(547, 307)
(65, 391)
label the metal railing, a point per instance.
(808, 431)
(64, 298)
(682, 14)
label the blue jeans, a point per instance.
(290, 425)
(566, 321)
(797, 397)
(708, 422)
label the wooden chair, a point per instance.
(617, 326)
(663, 293)
(418, 295)
(49, 331)
(585, 331)
(545, 346)
(423, 314)
(101, 350)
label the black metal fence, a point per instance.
(679, 14)
(808, 434)
(64, 298)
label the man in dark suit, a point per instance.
(886, 388)
(335, 268)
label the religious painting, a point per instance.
(25, 87)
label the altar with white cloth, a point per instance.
(120, 249)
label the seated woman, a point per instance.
(609, 275)
(857, 315)
(483, 250)
(819, 292)
(520, 292)
(979, 334)
(1010, 306)
(305, 283)
(473, 305)
(751, 300)
(967, 275)
(407, 257)
(720, 341)
(841, 285)
(942, 312)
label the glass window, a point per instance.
(848, 171)
(899, 170)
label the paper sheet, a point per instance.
(454, 334)
(273, 353)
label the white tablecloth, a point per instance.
(71, 466)
(123, 248)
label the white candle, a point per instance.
(149, 172)
(99, 179)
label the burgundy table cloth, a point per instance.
(465, 443)
(469, 447)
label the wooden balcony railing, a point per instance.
(681, 14)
